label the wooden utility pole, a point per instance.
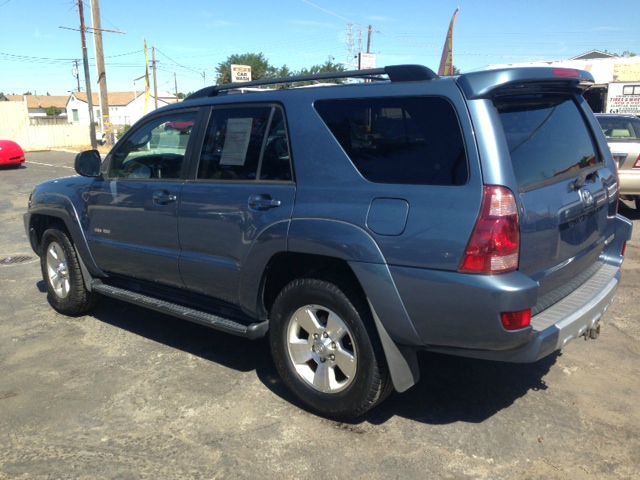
(102, 73)
(175, 83)
(76, 72)
(369, 32)
(87, 76)
(155, 78)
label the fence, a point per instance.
(15, 125)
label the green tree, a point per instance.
(53, 111)
(259, 64)
(329, 66)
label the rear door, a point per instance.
(242, 184)
(565, 186)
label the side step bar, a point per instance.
(252, 331)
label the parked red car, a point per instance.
(10, 153)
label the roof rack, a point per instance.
(395, 73)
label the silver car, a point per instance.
(623, 137)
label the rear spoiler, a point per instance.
(489, 83)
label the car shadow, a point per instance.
(452, 389)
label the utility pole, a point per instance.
(87, 76)
(76, 73)
(102, 74)
(369, 32)
(155, 78)
(175, 83)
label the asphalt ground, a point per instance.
(127, 393)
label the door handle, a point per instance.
(162, 197)
(263, 202)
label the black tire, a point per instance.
(637, 201)
(370, 383)
(78, 300)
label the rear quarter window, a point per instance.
(547, 137)
(402, 140)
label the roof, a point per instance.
(121, 99)
(116, 99)
(604, 70)
(593, 54)
(41, 101)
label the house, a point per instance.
(125, 108)
(43, 107)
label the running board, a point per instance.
(252, 331)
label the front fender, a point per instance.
(58, 205)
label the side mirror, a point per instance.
(88, 163)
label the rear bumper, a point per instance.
(568, 319)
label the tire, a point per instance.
(62, 275)
(637, 202)
(340, 372)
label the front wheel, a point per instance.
(326, 349)
(61, 272)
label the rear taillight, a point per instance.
(516, 320)
(624, 248)
(566, 73)
(495, 242)
(637, 164)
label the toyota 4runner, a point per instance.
(353, 224)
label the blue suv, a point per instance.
(353, 224)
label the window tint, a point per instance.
(276, 163)
(547, 138)
(154, 150)
(402, 140)
(233, 143)
(620, 128)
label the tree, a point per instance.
(329, 66)
(53, 111)
(456, 70)
(259, 64)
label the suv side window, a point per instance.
(156, 150)
(403, 140)
(233, 143)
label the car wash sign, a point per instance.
(240, 73)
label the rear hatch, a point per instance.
(565, 184)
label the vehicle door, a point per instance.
(132, 224)
(241, 185)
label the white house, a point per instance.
(125, 108)
(37, 105)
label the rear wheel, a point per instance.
(61, 272)
(326, 349)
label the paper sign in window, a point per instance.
(236, 141)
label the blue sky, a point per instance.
(193, 36)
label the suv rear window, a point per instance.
(404, 140)
(547, 137)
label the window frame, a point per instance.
(445, 98)
(192, 176)
(184, 169)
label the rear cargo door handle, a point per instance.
(162, 197)
(263, 202)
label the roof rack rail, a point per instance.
(395, 73)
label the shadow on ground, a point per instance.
(628, 211)
(452, 389)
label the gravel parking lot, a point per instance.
(127, 393)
